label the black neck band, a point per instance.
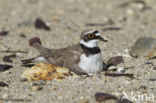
(90, 51)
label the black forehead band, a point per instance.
(95, 32)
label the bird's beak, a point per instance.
(102, 39)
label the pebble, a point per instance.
(149, 63)
(154, 68)
(34, 88)
(113, 61)
(152, 79)
(22, 35)
(4, 33)
(8, 58)
(100, 96)
(23, 79)
(34, 40)
(130, 75)
(143, 88)
(140, 4)
(144, 47)
(40, 24)
(4, 67)
(122, 18)
(2, 84)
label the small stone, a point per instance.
(149, 63)
(34, 88)
(122, 18)
(8, 58)
(154, 68)
(113, 61)
(4, 33)
(2, 84)
(99, 97)
(23, 79)
(143, 87)
(4, 67)
(144, 47)
(40, 24)
(152, 79)
(119, 74)
(34, 40)
(40, 88)
(22, 35)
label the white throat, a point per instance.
(91, 43)
(91, 64)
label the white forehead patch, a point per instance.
(97, 34)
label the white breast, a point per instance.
(91, 64)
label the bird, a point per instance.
(82, 58)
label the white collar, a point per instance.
(90, 44)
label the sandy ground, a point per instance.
(67, 18)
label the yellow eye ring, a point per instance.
(91, 36)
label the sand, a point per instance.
(67, 18)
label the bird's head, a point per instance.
(90, 38)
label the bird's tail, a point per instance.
(27, 62)
(36, 43)
(30, 62)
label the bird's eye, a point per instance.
(90, 36)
